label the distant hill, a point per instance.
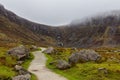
(99, 31)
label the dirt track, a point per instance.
(38, 68)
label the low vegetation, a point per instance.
(28, 61)
(108, 68)
(8, 62)
(6, 65)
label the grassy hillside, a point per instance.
(12, 34)
(15, 29)
(89, 70)
(6, 65)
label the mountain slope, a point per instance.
(14, 29)
(99, 31)
(95, 32)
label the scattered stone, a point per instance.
(19, 62)
(17, 67)
(49, 50)
(23, 72)
(74, 58)
(62, 65)
(22, 77)
(53, 62)
(28, 76)
(60, 44)
(103, 70)
(20, 52)
(35, 70)
(33, 47)
(75, 49)
(84, 56)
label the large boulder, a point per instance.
(49, 50)
(84, 56)
(62, 65)
(20, 52)
(74, 58)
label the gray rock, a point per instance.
(62, 65)
(20, 52)
(49, 50)
(74, 58)
(22, 77)
(28, 76)
(19, 62)
(103, 70)
(75, 49)
(84, 56)
(17, 67)
(33, 47)
(23, 72)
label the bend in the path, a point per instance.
(38, 67)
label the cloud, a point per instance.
(56, 12)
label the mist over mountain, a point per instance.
(98, 31)
(101, 16)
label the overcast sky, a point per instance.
(59, 12)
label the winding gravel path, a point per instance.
(38, 68)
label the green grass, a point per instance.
(39, 49)
(53, 68)
(33, 77)
(6, 71)
(88, 70)
(28, 61)
(6, 65)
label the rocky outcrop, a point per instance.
(84, 56)
(20, 52)
(62, 65)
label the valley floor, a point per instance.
(108, 68)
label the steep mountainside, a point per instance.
(96, 32)
(14, 29)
